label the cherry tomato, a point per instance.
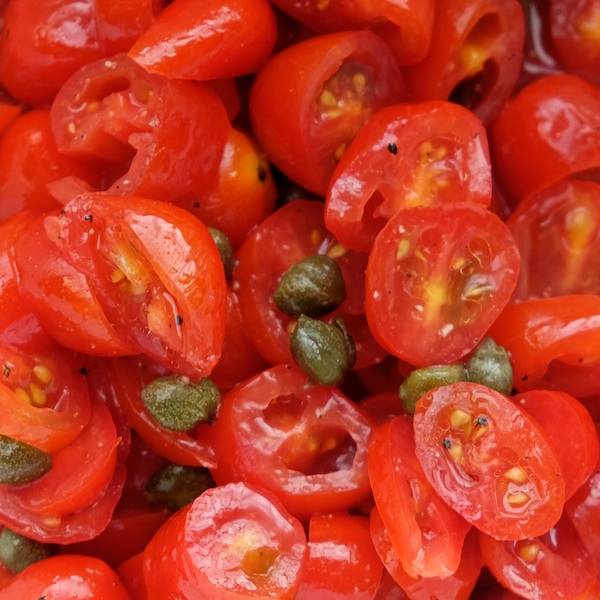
(131, 574)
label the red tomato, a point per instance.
(310, 99)
(412, 154)
(553, 565)
(205, 41)
(425, 533)
(558, 234)
(65, 577)
(153, 137)
(553, 342)
(341, 559)
(437, 278)
(474, 57)
(235, 541)
(306, 443)
(489, 460)
(550, 130)
(571, 429)
(131, 573)
(383, 406)
(156, 273)
(290, 234)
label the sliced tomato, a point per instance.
(205, 41)
(489, 460)
(437, 278)
(410, 154)
(553, 565)
(231, 542)
(426, 534)
(306, 443)
(156, 273)
(310, 99)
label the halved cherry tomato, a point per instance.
(310, 99)
(437, 278)
(234, 541)
(131, 574)
(489, 460)
(306, 443)
(411, 154)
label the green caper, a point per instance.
(313, 287)
(420, 381)
(179, 404)
(21, 462)
(225, 250)
(176, 486)
(324, 352)
(490, 366)
(18, 551)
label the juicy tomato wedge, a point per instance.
(289, 235)
(549, 131)
(310, 99)
(553, 565)
(306, 443)
(337, 545)
(67, 576)
(426, 534)
(411, 154)
(474, 57)
(553, 342)
(489, 460)
(233, 541)
(557, 231)
(205, 41)
(572, 431)
(152, 137)
(155, 271)
(437, 278)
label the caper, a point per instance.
(490, 366)
(313, 287)
(18, 551)
(179, 404)
(225, 250)
(21, 462)
(324, 352)
(176, 486)
(421, 381)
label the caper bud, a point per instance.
(21, 462)
(179, 404)
(421, 381)
(324, 352)
(313, 287)
(18, 551)
(225, 250)
(177, 486)
(491, 367)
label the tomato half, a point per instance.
(410, 154)
(233, 542)
(306, 443)
(489, 460)
(437, 278)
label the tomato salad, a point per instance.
(299, 300)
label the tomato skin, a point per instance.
(489, 460)
(436, 310)
(200, 42)
(250, 547)
(477, 45)
(409, 154)
(554, 125)
(131, 573)
(553, 565)
(67, 576)
(301, 130)
(425, 533)
(305, 443)
(553, 343)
